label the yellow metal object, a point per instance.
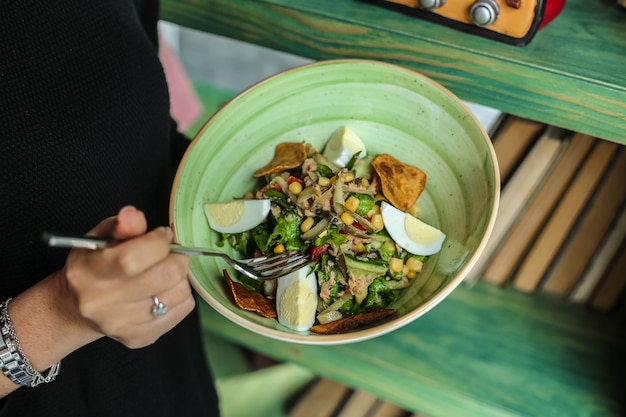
(514, 22)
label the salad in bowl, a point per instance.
(412, 155)
(354, 213)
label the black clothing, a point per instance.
(85, 130)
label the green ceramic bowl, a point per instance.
(394, 110)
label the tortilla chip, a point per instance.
(250, 300)
(349, 323)
(401, 183)
(287, 155)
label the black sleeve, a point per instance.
(178, 143)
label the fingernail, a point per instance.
(169, 233)
(127, 209)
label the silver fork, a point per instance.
(261, 268)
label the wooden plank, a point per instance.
(601, 261)
(510, 253)
(328, 398)
(360, 403)
(519, 190)
(594, 226)
(484, 351)
(543, 251)
(612, 288)
(511, 142)
(554, 80)
(323, 399)
(387, 409)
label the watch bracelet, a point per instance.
(13, 362)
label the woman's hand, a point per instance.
(103, 293)
(113, 289)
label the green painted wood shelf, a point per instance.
(571, 75)
(483, 352)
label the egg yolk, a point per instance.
(420, 232)
(226, 214)
(297, 304)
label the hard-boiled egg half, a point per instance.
(411, 233)
(296, 299)
(343, 144)
(236, 216)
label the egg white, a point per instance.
(342, 145)
(296, 299)
(236, 216)
(395, 224)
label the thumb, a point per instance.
(128, 223)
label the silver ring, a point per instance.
(158, 309)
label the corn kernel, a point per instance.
(280, 248)
(348, 177)
(414, 264)
(377, 221)
(365, 182)
(295, 188)
(374, 210)
(396, 264)
(352, 203)
(347, 218)
(323, 181)
(306, 225)
(380, 197)
(411, 274)
(359, 247)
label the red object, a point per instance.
(316, 251)
(293, 179)
(185, 106)
(359, 226)
(552, 10)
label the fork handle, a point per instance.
(94, 243)
(74, 241)
(190, 250)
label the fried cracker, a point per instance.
(349, 323)
(287, 155)
(250, 300)
(401, 183)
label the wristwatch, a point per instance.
(11, 362)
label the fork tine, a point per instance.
(282, 270)
(278, 261)
(270, 259)
(272, 268)
(276, 266)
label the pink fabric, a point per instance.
(185, 107)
